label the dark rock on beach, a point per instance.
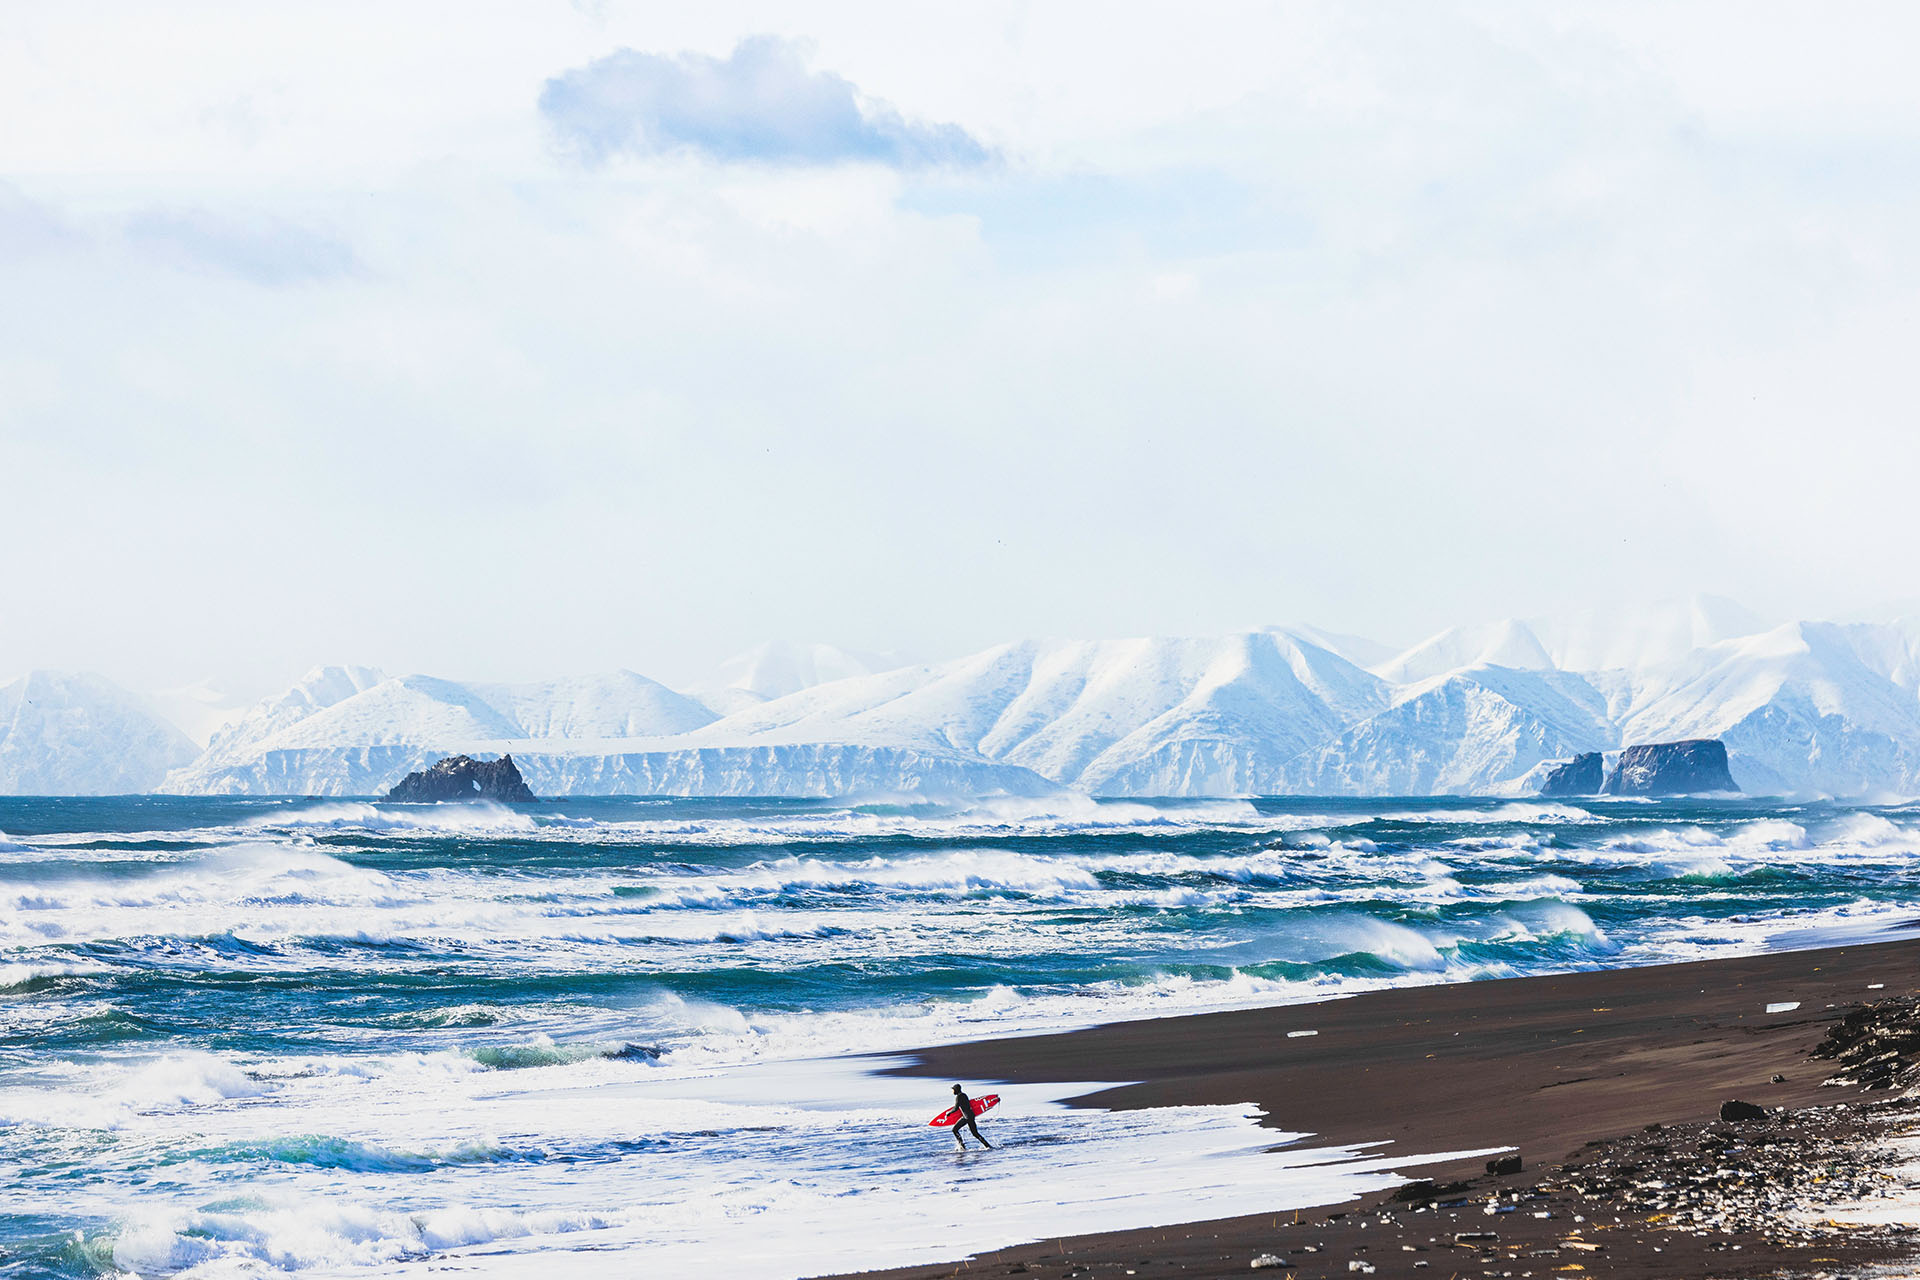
(1671, 768)
(1580, 776)
(1734, 1109)
(464, 778)
(1877, 1047)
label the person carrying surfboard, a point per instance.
(967, 1110)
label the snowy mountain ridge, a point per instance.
(777, 668)
(1804, 708)
(68, 733)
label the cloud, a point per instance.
(759, 103)
(265, 251)
(1052, 221)
(29, 228)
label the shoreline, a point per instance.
(1567, 1069)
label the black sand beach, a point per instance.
(1572, 1071)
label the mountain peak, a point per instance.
(1508, 642)
(78, 733)
(778, 668)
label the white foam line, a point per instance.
(1058, 1170)
(759, 1173)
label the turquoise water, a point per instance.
(230, 1030)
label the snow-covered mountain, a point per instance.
(1140, 717)
(354, 730)
(1591, 640)
(1507, 643)
(1358, 650)
(199, 710)
(1805, 707)
(1649, 635)
(1206, 716)
(778, 668)
(357, 731)
(65, 733)
(1471, 731)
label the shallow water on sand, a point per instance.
(245, 1036)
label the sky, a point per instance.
(513, 340)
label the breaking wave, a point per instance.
(398, 1031)
(478, 818)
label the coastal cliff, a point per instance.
(1671, 768)
(1581, 776)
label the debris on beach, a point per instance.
(1744, 1193)
(1708, 1178)
(1877, 1046)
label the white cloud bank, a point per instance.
(315, 344)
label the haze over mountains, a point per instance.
(1804, 708)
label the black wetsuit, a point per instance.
(966, 1120)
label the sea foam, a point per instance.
(413, 1037)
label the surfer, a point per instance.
(964, 1105)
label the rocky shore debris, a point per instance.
(1876, 1046)
(1671, 768)
(1735, 1199)
(464, 778)
(1729, 1182)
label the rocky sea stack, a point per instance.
(464, 778)
(1581, 776)
(1671, 768)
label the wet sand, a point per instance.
(1570, 1070)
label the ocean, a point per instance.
(249, 1037)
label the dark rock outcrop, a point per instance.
(1877, 1047)
(1671, 768)
(464, 778)
(1580, 776)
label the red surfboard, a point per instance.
(951, 1116)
